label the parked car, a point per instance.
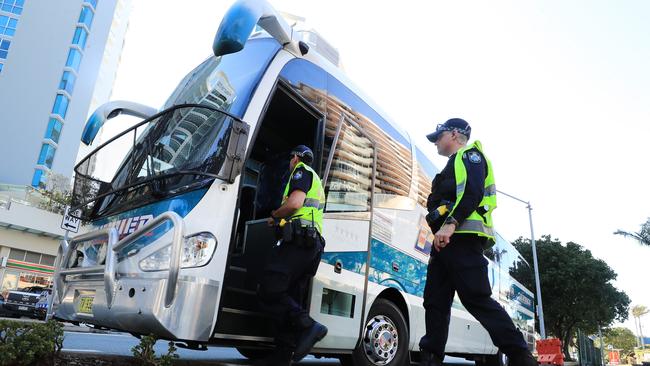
(2, 302)
(22, 302)
(40, 308)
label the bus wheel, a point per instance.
(499, 359)
(254, 353)
(385, 337)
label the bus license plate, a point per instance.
(86, 305)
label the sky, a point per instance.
(557, 91)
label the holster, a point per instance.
(292, 233)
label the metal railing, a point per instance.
(113, 247)
(176, 252)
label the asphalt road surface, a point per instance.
(121, 344)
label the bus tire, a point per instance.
(254, 354)
(385, 337)
(499, 359)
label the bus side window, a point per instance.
(348, 187)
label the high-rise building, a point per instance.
(58, 61)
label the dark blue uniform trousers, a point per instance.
(284, 286)
(460, 267)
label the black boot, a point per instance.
(279, 357)
(429, 359)
(522, 358)
(308, 338)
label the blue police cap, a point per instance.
(454, 124)
(305, 153)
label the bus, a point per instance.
(175, 208)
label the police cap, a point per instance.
(455, 124)
(305, 153)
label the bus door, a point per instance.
(339, 288)
(287, 121)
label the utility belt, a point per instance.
(437, 217)
(294, 233)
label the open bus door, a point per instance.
(339, 288)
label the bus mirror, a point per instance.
(236, 152)
(111, 110)
(239, 22)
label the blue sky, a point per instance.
(557, 91)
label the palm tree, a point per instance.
(637, 312)
(643, 236)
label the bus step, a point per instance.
(244, 312)
(239, 277)
(237, 298)
(238, 269)
(241, 291)
(245, 323)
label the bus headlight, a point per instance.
(196, 252)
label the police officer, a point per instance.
(465, 192)
(294, 261)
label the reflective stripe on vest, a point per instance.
(311, 211)
(476, 223)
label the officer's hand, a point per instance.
(441, 239)
(270, 221)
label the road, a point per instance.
(121, 344)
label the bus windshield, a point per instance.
(180, 149)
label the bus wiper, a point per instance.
(159, 184)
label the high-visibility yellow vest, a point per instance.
(311, 212)
(476, 223)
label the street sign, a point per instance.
(70, 223)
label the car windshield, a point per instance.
(182, 148)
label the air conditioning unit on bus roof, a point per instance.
(321, 46)
(312, 37)
(309, 36)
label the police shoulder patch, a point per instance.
(474, 157)
(297, 175)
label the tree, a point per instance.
(637, 312)
(620, 338)
(576, 288)
(643, 236)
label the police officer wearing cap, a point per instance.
(460, 206)
(293, 262)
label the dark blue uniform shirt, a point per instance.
(443, 186)
(300, 180)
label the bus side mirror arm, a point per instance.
(111, 110)
(239, 23)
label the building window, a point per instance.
(39, 180)
(47, 155)
(33, 257)
(53, 130)
(1, 66)
(60, 105)
(74, 59)
(80, 36)
(86, 16)
(47, 260)
(67, 81)
(17, 254)
(92, 2)
(12, 6)
(4, 48)
(8, 25)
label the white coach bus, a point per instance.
(176, 204)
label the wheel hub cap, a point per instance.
(380, 341)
